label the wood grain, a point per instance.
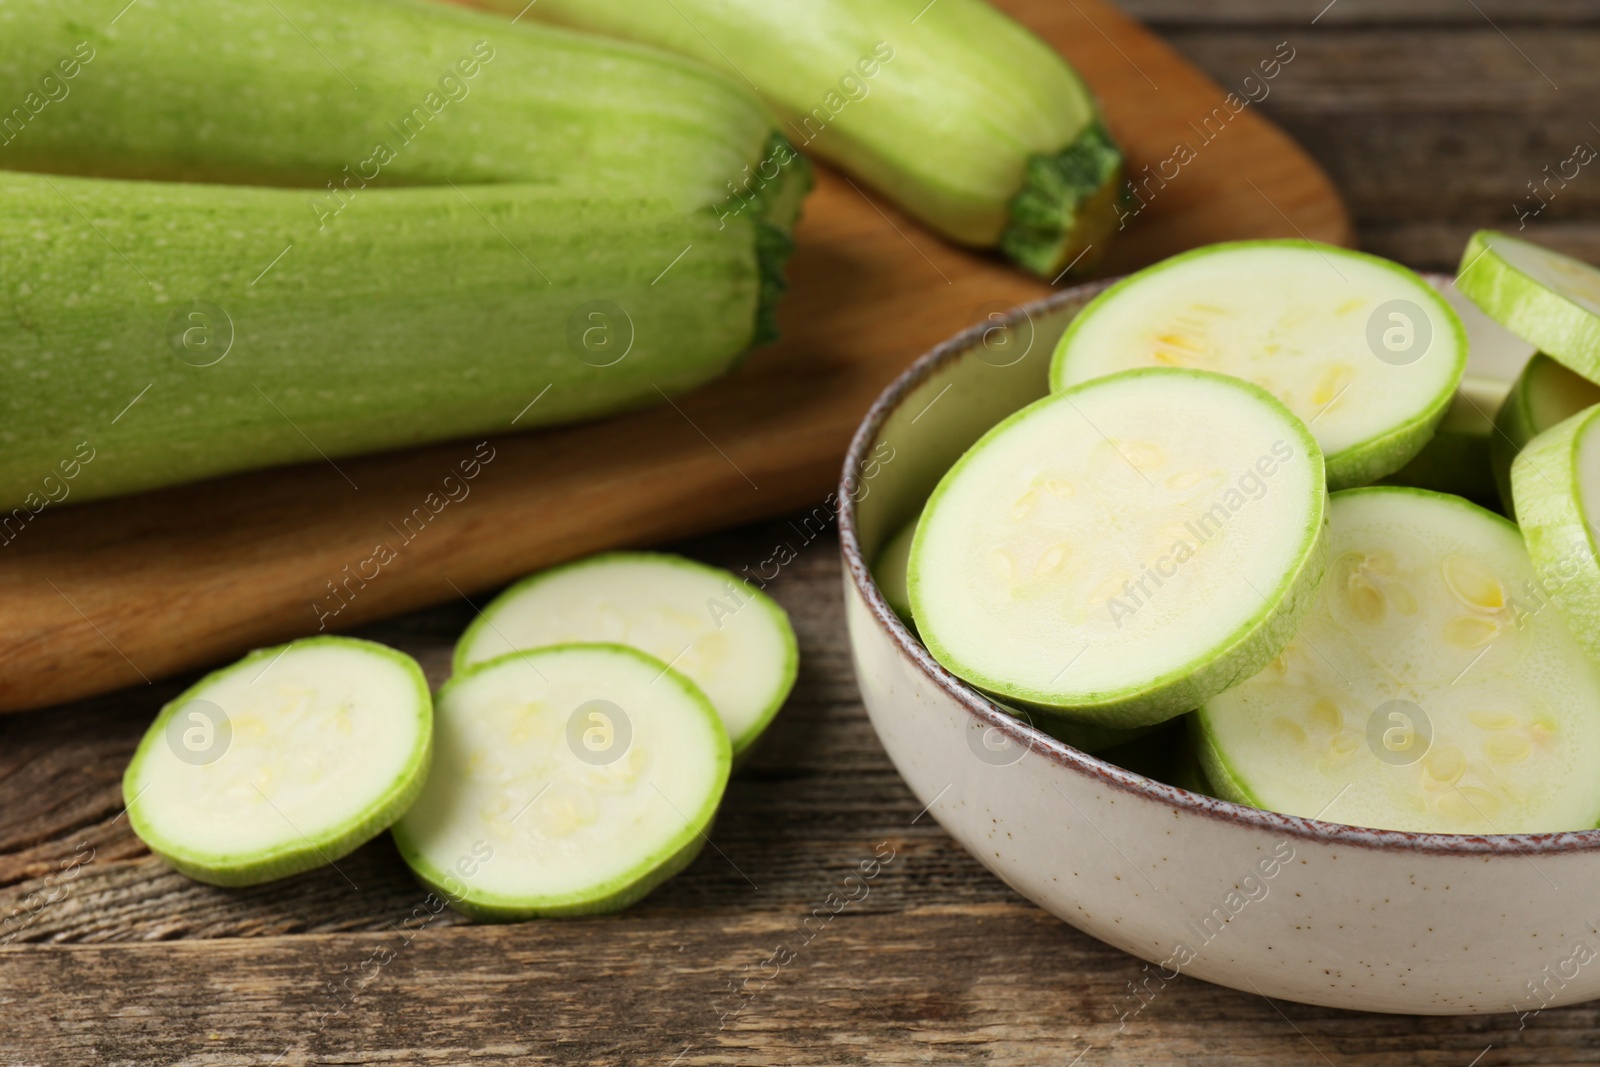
(940, 963)
(107, 594)
(937, 963)
(1432, 116)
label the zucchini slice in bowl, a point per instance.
(1114, 556)
(1363, 350)
(1308, 909)
(1545, 394)
(1555, 482)
(1424, 691)
(1550, 300)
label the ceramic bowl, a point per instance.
(1288, 907)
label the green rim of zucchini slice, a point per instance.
(1428, 689)
(1550, 300)
(1360, 348)
(729, 638)
(284, 761)
(1544, 394)
(1555, 482)
(567, 781)
(1120, 551)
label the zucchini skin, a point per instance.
(973, 124)
(1547, 485)
(424, 314)
(302, 93)
(460, 219)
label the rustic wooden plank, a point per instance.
(938, 962)
(1431, 133)
(818, 783)
(999, 983)
(1428, 121)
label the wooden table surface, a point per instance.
(1432, 115)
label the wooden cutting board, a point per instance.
(100, 596)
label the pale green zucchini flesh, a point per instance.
(1555, 482)
(227, 332)
(282, 762)
(1428, 689)
(725, 635)
(968, 120)
(567, 781)
(1111, 556)
(1545, 393)
(1550, 300)
(1361, 349)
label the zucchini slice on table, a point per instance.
(1546, 393)
(1361, 349)
(973, 124)
(1120, 551)
(1555, 482)
(729, 638)
(1430, 688)
(285, 761)
(1550, 300)
(566, 781)
(232, 333)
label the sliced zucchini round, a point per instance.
(1555, 482)
(284, 761)
(1545, 394)
(1424, 691)
(731, 639)
(1361, 349)
(567, 781)
(889, 570)
(1120, 551)
(1550, 300)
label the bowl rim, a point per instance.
(984, 711)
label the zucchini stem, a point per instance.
(1066, 208)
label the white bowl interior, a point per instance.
(939, 417)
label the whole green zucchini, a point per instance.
(972, 123)
(342, 95)
(582, 231)
(154, 333)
